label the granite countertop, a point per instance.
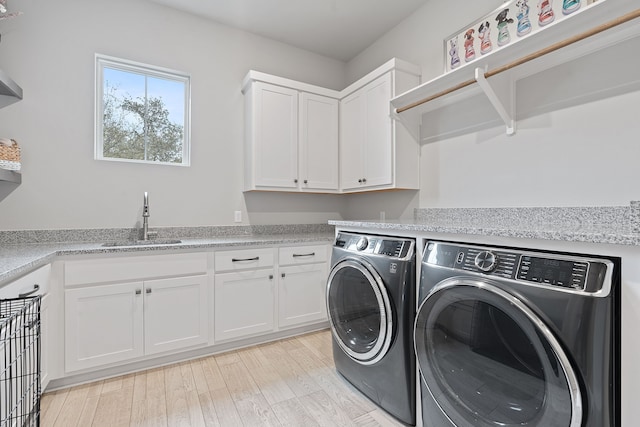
(618, 225)
(592, 233)
(23, 251)
(17, 259)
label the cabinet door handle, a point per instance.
(148, 290)
(282, 274)
(305, 181)
(360, 180)
(364, 180)
(300, 255)
(270, 276)
(34, 290)
(245, 259)
(295, 181)
(138, 291)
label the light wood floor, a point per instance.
(291, 382)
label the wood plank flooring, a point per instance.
(291, 382)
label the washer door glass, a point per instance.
(359, 311)
(488, 360)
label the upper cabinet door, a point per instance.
(352, 139)
(366, 143)
(378, 152)
(274, 136)
(318, 142)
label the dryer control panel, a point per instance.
(394, 247)
(551, 269)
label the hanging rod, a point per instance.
(564, 43)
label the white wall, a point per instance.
(585, 155)
(50, 51)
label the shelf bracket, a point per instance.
(506, 117)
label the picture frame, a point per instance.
(513, 20)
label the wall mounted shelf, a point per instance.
(10, 176)
(10, 92)
(482, 93)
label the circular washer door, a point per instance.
(359, 311)
(489, 360)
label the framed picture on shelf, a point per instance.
(513, 20)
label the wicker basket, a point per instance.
(9, 154)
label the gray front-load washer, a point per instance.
(371, 306)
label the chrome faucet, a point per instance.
(145, 217)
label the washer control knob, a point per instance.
(486, 261)
(362, 244)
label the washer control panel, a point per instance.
(394, 247)
(559, 270)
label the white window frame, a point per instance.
(102, 61)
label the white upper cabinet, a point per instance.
(367, 148)
(291, 136)
(318, 142)
(305, 138)
(374, 153)
(271, 157)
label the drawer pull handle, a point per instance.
(299, 255)
(245, 259)
(35, 289)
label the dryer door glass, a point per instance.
(359, 311)
(488, 360)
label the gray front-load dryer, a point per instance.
(511, 337)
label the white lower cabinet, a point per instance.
(244, 295)
(302, 285)
(255, 295)
(119, 310)
(243, 304)
(103, 325)
(115, 322)
(301, 294)
(175, 313)
(45, 341)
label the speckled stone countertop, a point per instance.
(20, 257)
(618, 225)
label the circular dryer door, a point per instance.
(489, 360)
(359, 311)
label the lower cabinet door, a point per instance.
(45, 341)
(301, 294)
(175, 313)
(103, 325)
(243, 304)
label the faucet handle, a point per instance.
(145, 205)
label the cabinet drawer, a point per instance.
(303, 254)
(26, 284)
(84, 272)
(243, 259)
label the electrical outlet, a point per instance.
(382, 215)
(238, 216)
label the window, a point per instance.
(142, 113)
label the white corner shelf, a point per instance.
(10, 92)
(478, 102)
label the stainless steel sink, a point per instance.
(152, 242)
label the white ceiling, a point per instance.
(338, 29)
